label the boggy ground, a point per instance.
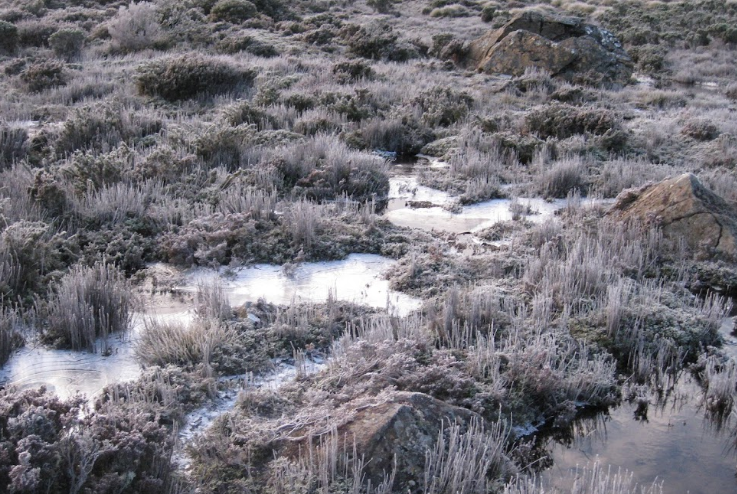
(231, 132)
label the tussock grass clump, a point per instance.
(190, 76)
(619, 174)
(329, 465)
(561, 178)
(10, 327)
(405, 137)
(720, 379)
(239, 197)
(212, 302)
(303, 220)
(164, 343)
(463, 461)
(590, 479)
(324, 168)
(87, 303)
(117, 203)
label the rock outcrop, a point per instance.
(394, 426)
(405, 427)
(564, 46)
(687, 211)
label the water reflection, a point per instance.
(358, 278)
(676, 441)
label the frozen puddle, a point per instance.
(200, 419)
(358, 279)
(284, 372)
(416, 206)
(471, 218)
(403, 189)
(730, 340)
(68, 372)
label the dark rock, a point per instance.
(398, 426)
(405, 427)
(565, 47)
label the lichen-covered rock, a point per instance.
(687, 211)
(565, 47)
(392, 432)
(406, 427)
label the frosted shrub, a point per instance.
(136, 27)
(67, 43)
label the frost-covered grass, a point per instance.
(233, 132)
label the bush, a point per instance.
(233, 11)
(488, 13)
(48, 193)
(8, 38)
(29, 253)
(381, 6)
(136, 27)
(245, 113)
(562, 121)
(49, 446)
(442, 106)
(353, 71)
(67, 43)
(87, 303)
(190, 76)
(701, 130)
(377, 42)
(731, 91)
(41, 76)
(232, 45)
(273, 8)
(447, 47)
(406, 138)
(12, 145)
(36, 33)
